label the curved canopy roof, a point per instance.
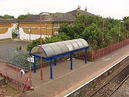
(52, 49)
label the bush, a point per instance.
(24, 16)
(19, 48)
(91, 34)
(6, 16)
(14, 35)
(67, 29)
(34, 43)
(20, 60)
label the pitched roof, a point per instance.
(54, 17)
(7, 20)
(78, 11)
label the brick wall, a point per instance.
(4, 28)
(34, 28)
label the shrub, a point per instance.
(14, 35)
(34, 43)
(20, 60)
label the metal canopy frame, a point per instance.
(53, 59)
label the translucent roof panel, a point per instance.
(38, 50)
(51, 49)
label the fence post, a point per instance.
(92, 55)
(85, 56)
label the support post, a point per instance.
(41, 73)
(55, 62)
(34, 64)
(71, 61)
(51, 70)
(85, 56)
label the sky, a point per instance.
(106, 8)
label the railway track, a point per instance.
(119, 86)
(113, 85)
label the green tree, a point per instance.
(99, 32)
(91, 34)
(24, 16)
(68, 30)
(126, 22)
(78, 29)
(7, 17)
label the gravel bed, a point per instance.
(110, 87)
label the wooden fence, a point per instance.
(95, 54)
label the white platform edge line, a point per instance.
(96, 76)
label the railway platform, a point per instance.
(66, 81)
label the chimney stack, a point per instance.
(79, 7)
(86, 9)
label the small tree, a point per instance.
(33, 44)
(7, 17)
(24, 16)
(67, 29)
(91, 34)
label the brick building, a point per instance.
(45, 23)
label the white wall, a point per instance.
(7, 34)
(24, 36)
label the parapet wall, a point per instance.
(6, 31)
(25, 36)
